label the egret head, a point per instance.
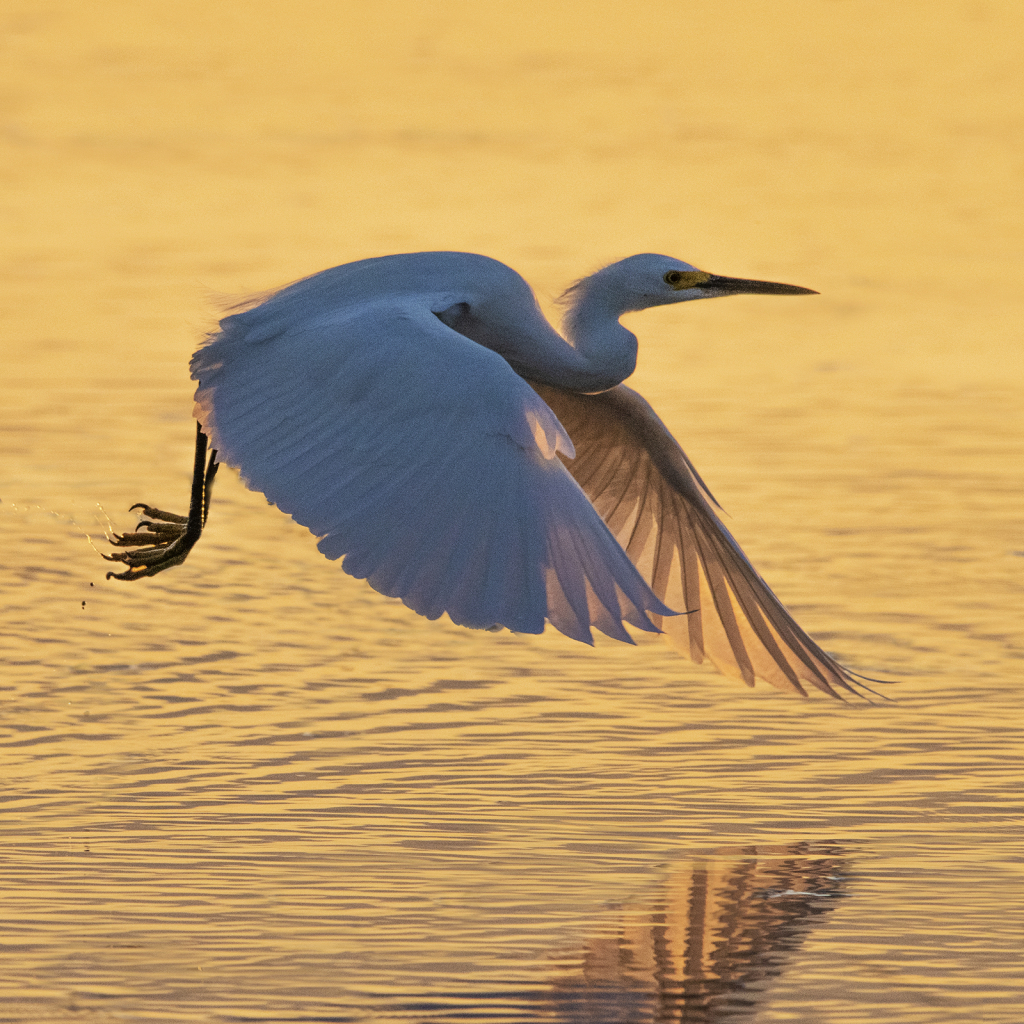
(648, 279)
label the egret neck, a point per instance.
(591, 325)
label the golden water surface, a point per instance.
(252, 789)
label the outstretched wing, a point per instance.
(646, 490)
(424, 460)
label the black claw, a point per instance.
(167, 542)
(167, 529)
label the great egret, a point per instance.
(422, 418)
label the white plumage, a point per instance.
(421, 417)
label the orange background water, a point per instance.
(253, 786)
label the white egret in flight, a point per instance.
(423, 419)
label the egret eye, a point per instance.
(680, 279)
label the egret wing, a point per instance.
(424, 460)
(649, 494)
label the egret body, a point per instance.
(423, 419)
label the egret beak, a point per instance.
(739, 286)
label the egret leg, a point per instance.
(165, 539)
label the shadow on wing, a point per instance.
(654, 502)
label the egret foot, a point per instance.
(167, 541)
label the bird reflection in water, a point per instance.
(709, 946)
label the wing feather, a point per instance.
(423, 460)
(647, 491)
